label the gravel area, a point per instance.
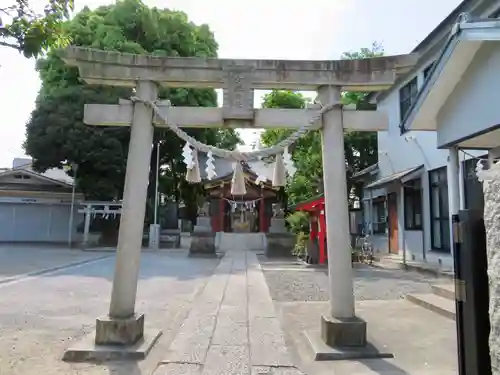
(290, 281)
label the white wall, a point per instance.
(403, 154)
(398, 153)
(477, 90)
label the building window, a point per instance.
(413, 204)
(440, 224)
(379, 216)
(428, 70)
(407, 95)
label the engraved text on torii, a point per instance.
(238, 93)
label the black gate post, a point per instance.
(457, 248)
(471, 293)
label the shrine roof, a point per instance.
(313, 204)
(224, 168)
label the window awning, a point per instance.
(406, 174)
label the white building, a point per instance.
(410, 195)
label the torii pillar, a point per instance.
(341, 327)
(123, 328)
(121, 333)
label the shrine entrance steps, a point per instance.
(233, 327)
(227, 242)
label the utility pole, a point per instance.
(74, 168)
(157, 182)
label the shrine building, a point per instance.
(249, 213)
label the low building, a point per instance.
(409, 193)
(36, 207)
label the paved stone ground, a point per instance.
(20, 259)
(422, 342)
(233, 328)
(41, 316)
(290, 281)
(216, 317)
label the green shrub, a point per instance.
(298, 222)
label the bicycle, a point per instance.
(366, 250)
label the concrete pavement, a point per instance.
(233, 327)
(41, 316)
(216, 318)
(23, 259)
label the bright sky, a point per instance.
(265, 29)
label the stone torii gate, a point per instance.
(238, 79)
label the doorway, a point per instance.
(392, 210)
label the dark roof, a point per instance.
(451, 40)
(450, 44)
(363, 172)
(42, 176)
(394, 177)
(224, 167)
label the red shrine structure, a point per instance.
(246, 214)
(316, 209)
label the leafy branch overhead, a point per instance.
(32, 31)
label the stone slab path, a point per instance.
(233, 327)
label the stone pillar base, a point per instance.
(202, 244)
(154, 236)
(110, 331)
(349, 332)
(170, 238)
(114, 339)
(279, 244)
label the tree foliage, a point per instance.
(30, 32)
(360, 147)
(306, 151)
(56, 133)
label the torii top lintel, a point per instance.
(124, 69)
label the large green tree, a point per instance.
(56, 133)
(360, 147)
(29, 31)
